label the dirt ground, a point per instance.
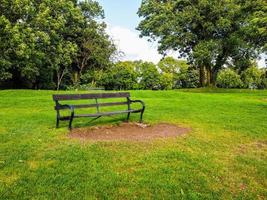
(128, 131)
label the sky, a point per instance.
(122, 20)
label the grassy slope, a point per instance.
(224, 157)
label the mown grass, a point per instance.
(224, 157)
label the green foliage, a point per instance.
(5, 48)
(228, 78)
(208, 32)
(95, 51)
(149, 76)
(252, 77)
(187, 77)
(184, 76)
(172, 65)
(42, 42)
(166, 81)
(84, 87)
(121, 76)
(143, 75)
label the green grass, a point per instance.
(224, 157)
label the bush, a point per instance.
(121, 76)
(263, 83)
(186, 78)
(252, 78)
(149, 76)
(228, 78)
(84, 87)
(166, 81)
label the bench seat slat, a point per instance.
(105, 113)
(100, 105)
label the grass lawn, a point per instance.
(224, 157)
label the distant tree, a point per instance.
(188, 77)
(166, 81)
(172, 65)
(149, 76)
(184, 75)
(207, 32)
(120, 76)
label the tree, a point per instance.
(37, 40)
(166, 81)
(149, 76)
(121, 76)
(172, 65)
(184, 75)
(49, 41)
(96, 50)
(207, 32)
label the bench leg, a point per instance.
(128, 117)
(70, 122)
(141, 116)
(58, 116)
(57, 125)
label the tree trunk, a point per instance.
(202, 76)
(215, 71)
(60, 77)
(209, 75)
(76, 78)
(58, 85)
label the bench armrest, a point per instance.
(138, 101)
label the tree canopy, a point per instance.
(47, 42)
(209, 33)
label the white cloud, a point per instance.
(132, 46)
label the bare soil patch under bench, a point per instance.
(129, 131)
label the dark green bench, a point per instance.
(72, 107)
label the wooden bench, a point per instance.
(72, 107)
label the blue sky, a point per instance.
(121, 12)
(122, 19)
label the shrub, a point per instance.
(166, 81)
(149, 76)
(263, 83)
(228, 78)
(186, 78)
(121, 76)
(252, 78)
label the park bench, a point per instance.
(95, 97)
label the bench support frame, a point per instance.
(97, 105)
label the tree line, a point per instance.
(167, 74)
(53, 44)
(49, 44)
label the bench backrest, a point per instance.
(62, 97)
